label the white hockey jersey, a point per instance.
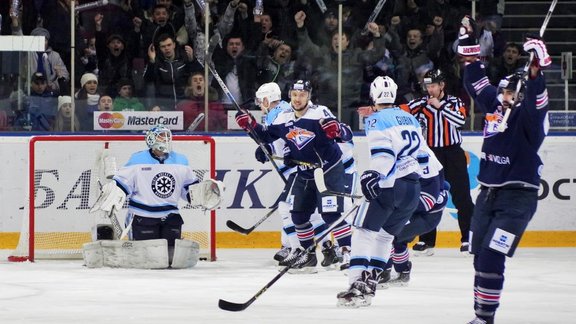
(395, 139)
(154, 187)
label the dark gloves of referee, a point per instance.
(260, 155)
(331, 127)
(369, 184)
(245, 120)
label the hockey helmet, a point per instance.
(383, 90)
(270, 90)
(159, 138)
(510, 82)
(433, 76)
(301, 85)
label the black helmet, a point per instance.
(510, 82)
(433, 76)
(301, 85)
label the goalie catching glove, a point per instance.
(110, 197)
(207, 193)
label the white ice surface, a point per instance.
(540, 288)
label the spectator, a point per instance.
(125, 99)
(48, 63)
(278, 67)
(41, 104)
(237, 68)
(87, 99)
(168, 70)
(105, 103)
(193, 105)
(63, 122)
(89, 59)
(114, 61)
(147, 32)
(507, 64)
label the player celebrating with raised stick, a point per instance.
(510, 167)
(310, 132)
(391, 187)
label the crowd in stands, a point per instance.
(144, 54)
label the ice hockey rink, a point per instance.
(540, 287)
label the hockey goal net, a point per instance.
(63, 183)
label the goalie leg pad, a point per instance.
(186, 254)
(148, 254)
(92, 254)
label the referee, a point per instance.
(441, 117)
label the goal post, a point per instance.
(64, 175)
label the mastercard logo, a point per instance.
(111, 120)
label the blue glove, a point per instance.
(260, 155)
(369, 183)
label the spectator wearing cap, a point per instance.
(114, 61)
(48, 63)
(39, 109)
(87, 99)
(63, 121)
(125, 99)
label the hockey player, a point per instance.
(510, 166)
(269, 99)
(310, 132)
(391, 187)
(155, 180)
(442, 116)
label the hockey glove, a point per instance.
(535, 44)
(245, 120)
(369, 183)
(331, 127)
(467, 38)
(261, 155)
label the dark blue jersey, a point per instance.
(510, 157)
(305, 138)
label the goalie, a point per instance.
(155, 180)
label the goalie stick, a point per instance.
(237, 228)
(503, 125)
(237, 307)
(321, 186)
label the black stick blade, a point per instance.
(237, 228)
(234, 307)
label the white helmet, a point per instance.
(159, 138)
(383, 90)
(270, 90)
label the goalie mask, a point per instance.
(383, 90)
(159, 138)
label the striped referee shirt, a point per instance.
(441, 126)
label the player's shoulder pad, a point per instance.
(176, 158)
(141, 157)
(283, 117)
(318, 112)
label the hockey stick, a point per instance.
(95, 4)
(374, 15)
(236, 307)
(321, 5)
(303, 163)
(504, 124)
(196, 122)
(253, 134)
(237, 228)
(321, 186)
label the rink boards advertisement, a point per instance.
(252, 189)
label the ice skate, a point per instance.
(294, 254)
(305, 262)
(359, 294)
(422, 249)
(330, 255)
(403, 278)
(478, 320)
(464, 249)
(381, 277)
(345, 258)
(282, 254)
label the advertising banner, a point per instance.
(137, 120)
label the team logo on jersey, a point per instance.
(163, 184)
(492, 124)
(300, 137)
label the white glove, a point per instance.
(207, 193)
(539, 48)
(111, 196)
